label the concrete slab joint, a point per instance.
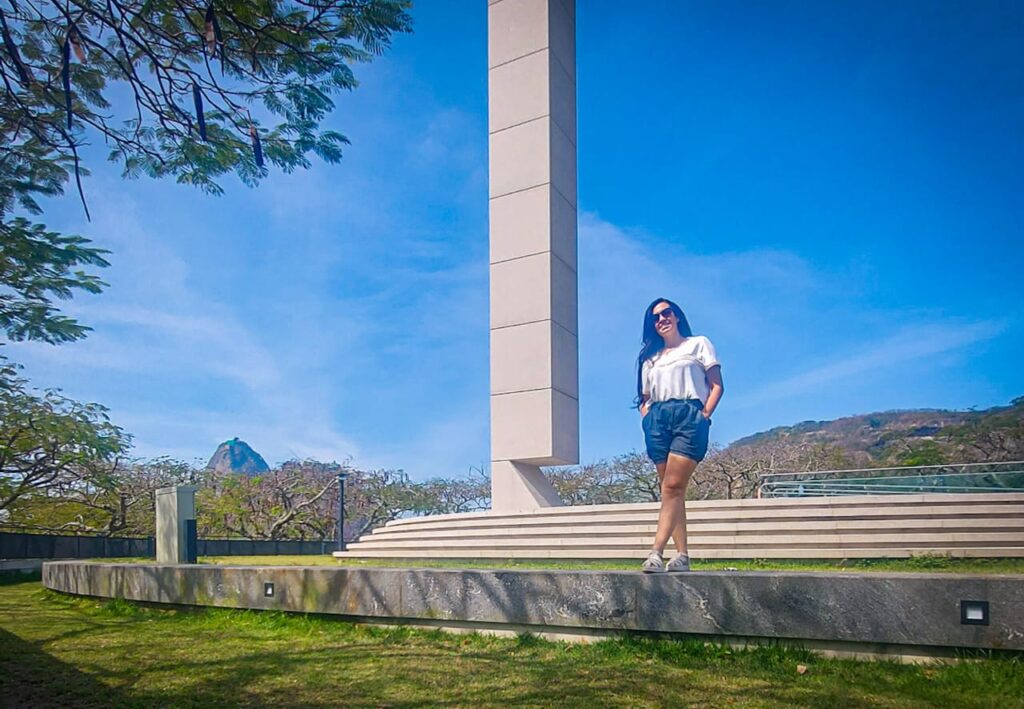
(534, 349)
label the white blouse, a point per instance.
(680, 372)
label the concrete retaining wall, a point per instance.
(868, 610)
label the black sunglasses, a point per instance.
(667, 314)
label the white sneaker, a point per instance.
(654, 564)
(680, 563)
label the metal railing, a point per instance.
(960, 477)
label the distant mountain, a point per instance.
(236, 456)
(916, 437)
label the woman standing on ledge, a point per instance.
(678, 386)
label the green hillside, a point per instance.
(915, 437)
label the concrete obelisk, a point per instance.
(531, 48)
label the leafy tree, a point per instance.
(49, 442)
(583, 484)
(118, 499)
(923, 453)
(197, 82)
(176, 88)
(36, 267)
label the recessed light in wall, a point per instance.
(974, 612)
(268, 589)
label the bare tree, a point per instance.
(268, 506)
(451, 495)
(735, 472)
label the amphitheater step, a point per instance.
(989, 524)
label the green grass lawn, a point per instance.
(58, 650)
(938, 564)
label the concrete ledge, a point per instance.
(814, 609)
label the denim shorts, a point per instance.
(677, 426)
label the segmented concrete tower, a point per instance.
(531, 48)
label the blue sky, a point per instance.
(832, 191)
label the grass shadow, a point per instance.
(31, 677)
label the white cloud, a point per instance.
(910, 344)
(727, 296)
(396, 375)
(264, 314)
(797, 340)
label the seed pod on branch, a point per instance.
(12, 52)
(212, 34)
(75, 39)
(257, 146)
(197, 97)
(65, 74)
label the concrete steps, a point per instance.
(826, 527)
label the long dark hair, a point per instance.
(653, 343)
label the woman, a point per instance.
(678, 384)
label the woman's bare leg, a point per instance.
(674, 475)
(679, 533)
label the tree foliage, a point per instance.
(174, 88)
(96, 490)
(630, 477)
(735, 472)
(120, 500)
(38, 267)
(995, 435)
(454, 495)
(288, 501)
(49, 442)
(179, 88)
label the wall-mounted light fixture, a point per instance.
(974, 612)
(268, 590)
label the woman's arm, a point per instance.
(714, 375)
(645, 405)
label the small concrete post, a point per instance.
(175, 506)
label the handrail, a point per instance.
(896, 467)
(969, 477)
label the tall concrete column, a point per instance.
(531, 51)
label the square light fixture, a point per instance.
(268, 590)
(974, 612)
